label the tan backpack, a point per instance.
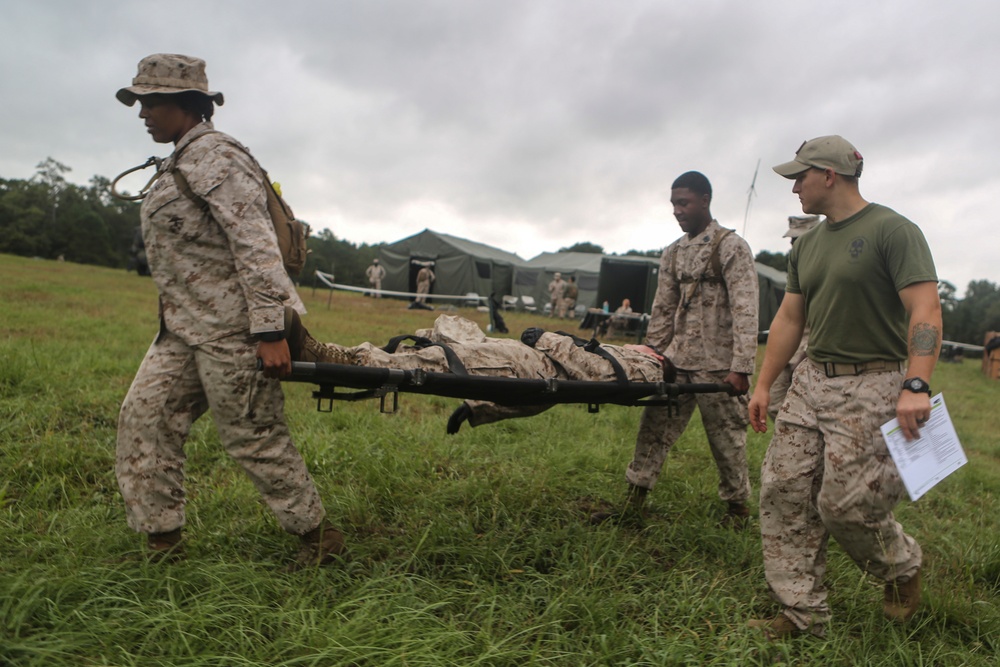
(291, 232)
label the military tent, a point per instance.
(460, 266)
(532, 278)
(771, 285)
(631, 277)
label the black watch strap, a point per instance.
(917, 385)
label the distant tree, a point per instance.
(776, 260)
(346, 261)
(585, 246)
(644, 253)
(974, 315)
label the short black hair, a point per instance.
(195, 102)
(695, 181)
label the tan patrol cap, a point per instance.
(831, 152)
(799, 225)
(168, 73)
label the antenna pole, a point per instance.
(750, 193)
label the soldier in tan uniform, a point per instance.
(425, 276)
(214, 256)
(704, 319)
(797, 226)
(556, 287)
(827, 472)
(375, 273)
(538, 355)
(567, 304)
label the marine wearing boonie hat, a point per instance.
(169, 74)
(799, 225)
(830, 152)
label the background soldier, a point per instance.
(375, 274)
(556, 286)
(797, 226)
(567, 304)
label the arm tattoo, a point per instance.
(924, 340)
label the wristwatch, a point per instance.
(917, 386)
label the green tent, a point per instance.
(771, 285)
(460, 266)
(532, 278)
(631, 277)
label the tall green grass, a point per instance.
(465, 550)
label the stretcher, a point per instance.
(387, 383)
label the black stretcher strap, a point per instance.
(503, 391)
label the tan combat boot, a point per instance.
(779, 627)
(320, 546)
(737, 516)
(902, 598)
(631, 514)
(165, 547)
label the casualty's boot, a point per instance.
(737, 516)
(295, 334)
(165, 547)
(902, 598)
(320, 546)
(303, 347)
(631, 514)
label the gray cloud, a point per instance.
(533, 125)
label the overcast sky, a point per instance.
(531, 125)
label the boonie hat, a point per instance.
(168, 73)
(831, 152)
(799, 225)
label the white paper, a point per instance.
(934, 455)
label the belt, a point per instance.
(833, 370)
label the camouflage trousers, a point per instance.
(567, 307)
(827, 472)
(553, 356)
(174, 386)
(725, 419)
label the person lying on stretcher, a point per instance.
(538, 354)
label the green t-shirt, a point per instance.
(850, 273)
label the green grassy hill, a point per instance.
(465, 550)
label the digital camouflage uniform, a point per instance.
(424, 279)
(567, 304)
(715, 334)
(375, 273)
(221, 280)
(556, 287)
(554, 356)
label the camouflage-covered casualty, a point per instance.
(827, 427)
(553, 356)
(717, 329)
(218, 269)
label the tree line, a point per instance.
(47, 216)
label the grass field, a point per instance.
(471, 549)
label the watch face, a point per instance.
(916, 384)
